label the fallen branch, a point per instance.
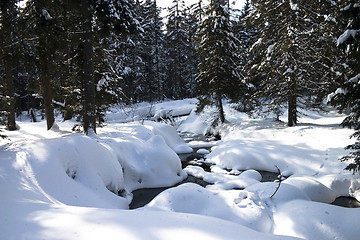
(279, 179)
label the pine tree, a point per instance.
(348, 96)
(296, 56)
(218, 76)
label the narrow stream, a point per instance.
(141, 197)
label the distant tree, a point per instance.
(152, 53)
(347, 98)
(218, 76)
(248, 34)
(295, 58)
(175, 44)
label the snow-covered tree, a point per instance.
(153, 51)
(179, 51)
(102, 18)
(248, 34)
(296, 56)
(218, 76)
(347, 98)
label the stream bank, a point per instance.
(201, 147)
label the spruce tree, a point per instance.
(347, 98)
(175, 40)
(218, 76)
(296, 57)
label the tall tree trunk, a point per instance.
(44, 30)
(88, 69)
(11, 125)
(45, 80)
(6, 9)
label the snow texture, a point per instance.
(62, 185)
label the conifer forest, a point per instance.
(80, 57)
(179, 119)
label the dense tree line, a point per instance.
(80, 57)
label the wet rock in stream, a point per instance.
(348, 202)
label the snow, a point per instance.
(346, 35)
(59, 184)
(312, 220)
(355, 79)
(195, 124)
(294, 6)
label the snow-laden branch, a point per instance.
(346, 35)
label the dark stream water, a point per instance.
(141, 197)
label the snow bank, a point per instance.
(303, 149)
(75, 170)
(68, 222)
(312, 220)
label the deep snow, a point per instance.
(63, 185)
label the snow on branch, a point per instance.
(46, 14)
(294, 6)
(346, 35)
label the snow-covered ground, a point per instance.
(63, 185)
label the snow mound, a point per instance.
(315, 190)
(147, 163)
(195, 123)
(75, 170)
(228, 205)
(170, 136)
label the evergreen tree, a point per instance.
(247, 33)
(177, 49)
(347, 98)
(152, 50)
(100, 20)
(218, 76)
(296, 57)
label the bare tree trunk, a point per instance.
(88, 69)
